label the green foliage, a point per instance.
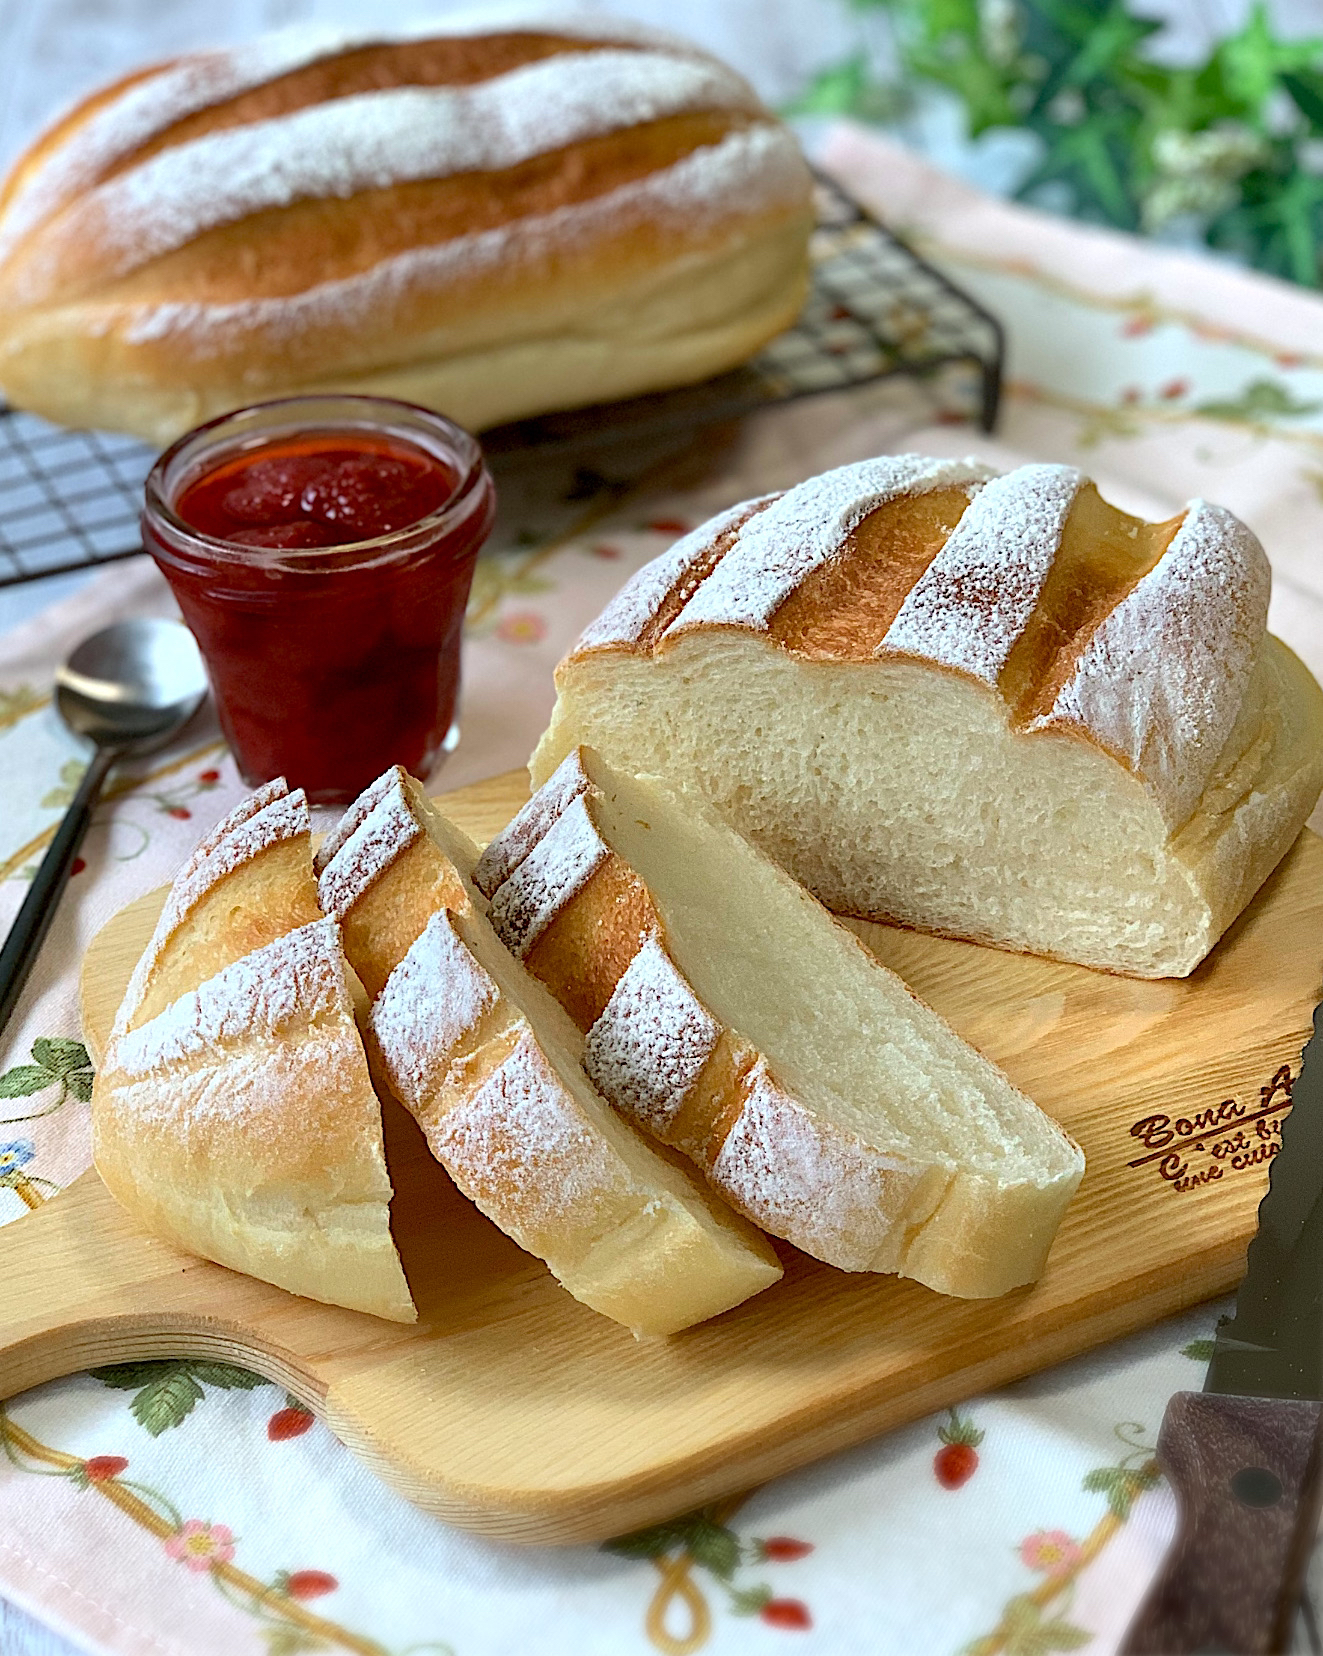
(1121, 1485)
(715, 1546)
(1226, 147)
(71, 774)
(1198, 1351)
(848, 88)
(1262, 399)
(748, 1601)
(166, 1393)
(1030, 1633)
(56, 1061)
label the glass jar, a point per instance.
(329, 662)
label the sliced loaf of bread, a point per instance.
(491, 1068)
(729, 1014)
(991, 707)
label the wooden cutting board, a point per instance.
(514, 1410)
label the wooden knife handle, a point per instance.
(1245, 1474)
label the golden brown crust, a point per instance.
(592, 939)
(489, 1066)
(378, 929)
(450, 60)
(273, 255)
(257, 903)
(581, 957)
(715, 1101)
(661, 1054)
(696, 570)
(371, 272)
(38, 152)
(233, 1112)
(1138, 638)
(841, 611)
(1103, 556)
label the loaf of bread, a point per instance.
(993, 707)
(730, 1015)
(490, 1066)
(233, 1112)
(490, 220)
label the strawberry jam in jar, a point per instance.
(321, 549)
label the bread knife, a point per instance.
(1243, 1455)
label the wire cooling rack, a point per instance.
(70, 499)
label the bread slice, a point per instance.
(233, 1112)
(730, 1015)
(490, 1066)
(241, 1124)
(249, 881)
(991, 707)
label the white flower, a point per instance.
(1198, 171)
(999, 28)
(1068, 107)
(1225, 151)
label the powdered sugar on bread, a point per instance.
(150, 106)
(175, 91)
(370, 141)
(355, 816)
(248, 807)
(1158, 683)
(298, 979)
(554, 871)
(652, 1040)
(530, 824)
(284, 818)
(629, 615)
(821, 1188)
(436, 996)
(971, 605)
(1161, 681)
(751, 171)
(386, 830)
(241, 837)
(807, 527)
(521, 1133)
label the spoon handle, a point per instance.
(33, 920)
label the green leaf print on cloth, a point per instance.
(56, 1061)
(1029, 1632)
(1262, 399)
(1121, 1485)
(167, 1393)
(705, 1540)
(71, 774)
(17, 703)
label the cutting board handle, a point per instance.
(84, 1287)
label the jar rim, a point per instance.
(258, 424)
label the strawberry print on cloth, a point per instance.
(956, 1462)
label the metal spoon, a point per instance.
(127, 689)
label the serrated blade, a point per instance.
(1272, 1346)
